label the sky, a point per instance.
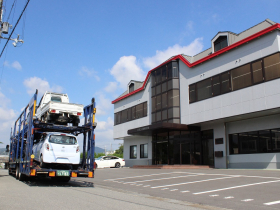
(94, 48)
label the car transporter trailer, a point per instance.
(21, 160)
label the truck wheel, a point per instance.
(17, 172)
(42, 164)
(21, 177)
(117, 165)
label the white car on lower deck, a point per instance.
(56, 149)
(109, 161)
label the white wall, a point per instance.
(137, 140)
(263, 160)
(251, 99)
(120, 131)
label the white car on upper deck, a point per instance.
(55, 108)
(56, 149)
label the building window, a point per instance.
(264, 69)
(272, 67)
(241, 77)
(133, 152)
(131, 113)
(165, 93)
(131, 87)
(204, 89)
(264, 141)
(220, 43)
(144, 151)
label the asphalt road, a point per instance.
(230, 189)
(127, 188)
(77, 194)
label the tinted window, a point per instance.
(225, 82)
(216, 85)
(241, 77)
(139, 111)
(220, 43)
(272, 66)
(192, 93)
(133, 152)
(145, 109)
(60, 139)
(204, 89)
(56, 99)
(131, 87)
(143, 150)
(257, 71)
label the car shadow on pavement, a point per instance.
(47, 182)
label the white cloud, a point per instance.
(127, 69)
(111, 87)
(195, 47)
(103, 105)
(7, 118)
(16, 65)
(42, 85)
(86, 72)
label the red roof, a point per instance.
(190, 65)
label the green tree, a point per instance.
(119, 152)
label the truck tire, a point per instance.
(17, 171)
(21, 177)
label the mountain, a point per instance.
(99, 150)
(3, 151)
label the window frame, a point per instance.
(130, 152)
(142, 150)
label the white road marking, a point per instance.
(164, 188)
(229, 188)
(272, 203)
(139, 184)
(147, 186)
(173, 190)
(205, 180)
(213, 195)
(131, 177)
(185, 191)
(229, 197)
(150, 180)
(132, 184)
(247, 200)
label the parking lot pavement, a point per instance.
(232, 189)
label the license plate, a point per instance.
(62, 173)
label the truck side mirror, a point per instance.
(7, 148)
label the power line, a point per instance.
(14, 27)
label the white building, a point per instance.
(220, 107)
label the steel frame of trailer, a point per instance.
(22, 137)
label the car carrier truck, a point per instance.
(28, 128)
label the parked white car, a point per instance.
(55, 149)
(109, 161)
(55, 108)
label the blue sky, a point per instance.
(94, 48)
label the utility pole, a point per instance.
(111, 149)
(105, 149)
(4, 27)
(1, 10)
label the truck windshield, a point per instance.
(59, 139)
(55, 99)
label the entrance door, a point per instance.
(207, 148)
